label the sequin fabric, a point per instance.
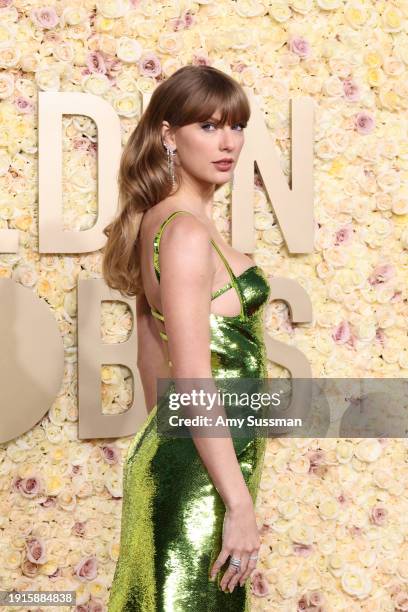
(172, 515)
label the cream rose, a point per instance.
(356, 582)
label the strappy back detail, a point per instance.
(156, 265)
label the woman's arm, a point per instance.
(151, 360)
(186, 282)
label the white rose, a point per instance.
(288, 509)
(368, 450)
(356, 582)
(328, 509)
(126, 105)
(329, 5)
(389, 180)
(400, 206)
(280, 11)
(344, 451)
(47, 79)
(333, 87)
(64, 51)
(6, 35)
(96, 83)
(301, 534)
(111, 9)
(170, 43)
(6, 85)
(9, 56)
(128, 49)
(301, 6)
(249, 8)
(287, 587)
(74, 15)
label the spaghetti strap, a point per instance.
(156, 241)
(156, 251)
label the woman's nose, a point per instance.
(227, 137)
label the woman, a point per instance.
(189, 538)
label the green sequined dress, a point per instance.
(172, 515)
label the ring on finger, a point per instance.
(235, 562)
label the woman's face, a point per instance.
(200, 145)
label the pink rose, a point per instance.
(378, 515)
(178, 24)
(49, 502)
(381, 274)
(355, 531)
(53, 36)
(96, 605)
(397, 297)
(316, 598)
(149, 65)
(29, 569)
(342, 333)
(259, 584)
(302, 604)
(36, 551)
(380, 335)
(86, 569)
(351, 90)
(303, 550)
(110, 454)
(364, 123)
(95, 62)
(15, 484)
(188, 19)
(79, 528)
(343, 235)
(30, 487)
(45, 17)
(200, 59)
(81, 608)
(317, 461)
(299, 46)
(401, 601)
(23, 105)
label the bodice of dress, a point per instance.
(237, 344)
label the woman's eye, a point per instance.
(205, 125)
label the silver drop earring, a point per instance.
(232, 181)
(170, 163)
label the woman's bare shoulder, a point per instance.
(157, 214)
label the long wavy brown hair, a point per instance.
(191, 94)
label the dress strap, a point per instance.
(156, 241)
(230, 272)
(156, 264)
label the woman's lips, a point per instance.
(223, 166)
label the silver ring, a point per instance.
(255, 557)
(236, 562)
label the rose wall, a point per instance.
(333, 512)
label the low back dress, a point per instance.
(172, 514)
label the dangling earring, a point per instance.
(232, 181)
(170, 163)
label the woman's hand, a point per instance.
(240, 540)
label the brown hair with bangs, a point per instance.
(192, 94)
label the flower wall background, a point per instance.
(333, 512)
